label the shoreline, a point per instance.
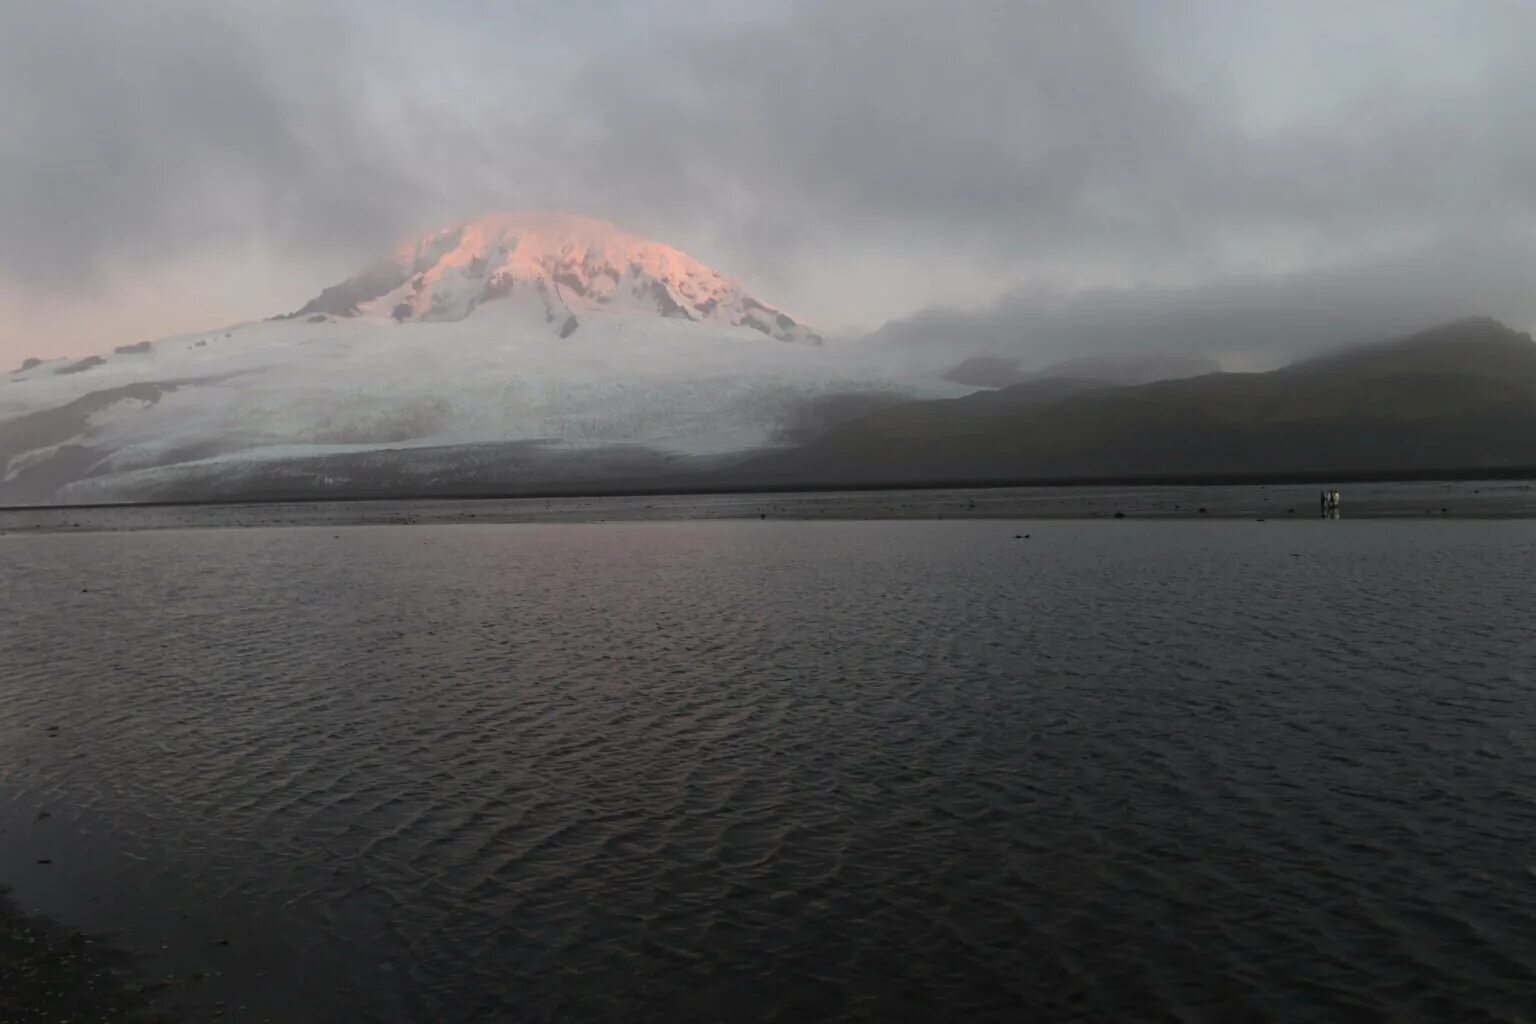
(50, 973)
(1180, 480)
(1393, 500)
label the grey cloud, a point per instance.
(1008, 134)
(893, 120)
(1252, 322)
(992, 141)
(136, 132)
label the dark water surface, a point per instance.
(786, 771)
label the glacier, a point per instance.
(509, 354)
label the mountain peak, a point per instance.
(568, 264)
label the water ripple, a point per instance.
(787, 771)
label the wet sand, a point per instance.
(50, 973)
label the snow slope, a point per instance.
(484, 354)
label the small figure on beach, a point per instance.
(1329, 502)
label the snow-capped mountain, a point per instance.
(512, 353)
(567, 265)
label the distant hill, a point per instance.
(1462, 395)
(1000, 372)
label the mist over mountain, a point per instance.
(1458, 396)
(1257, 321)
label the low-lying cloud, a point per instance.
(1248, 322)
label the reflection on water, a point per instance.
(787, 771)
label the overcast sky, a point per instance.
(169, 166)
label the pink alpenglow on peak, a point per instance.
(569, 266)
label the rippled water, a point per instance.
(786, 771)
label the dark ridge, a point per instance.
(571, 281)
(377, 281)
(1127, 370)
(1472, 344)
(809, 419)
(343, 299)
(81, 366)
(569, 327)
(1030, 393)
(137, 348)
(61, 427)
(1003, 371)
(1460, 395)
(986, 372)
(438, 310)
(500, 284)
(666, 304)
